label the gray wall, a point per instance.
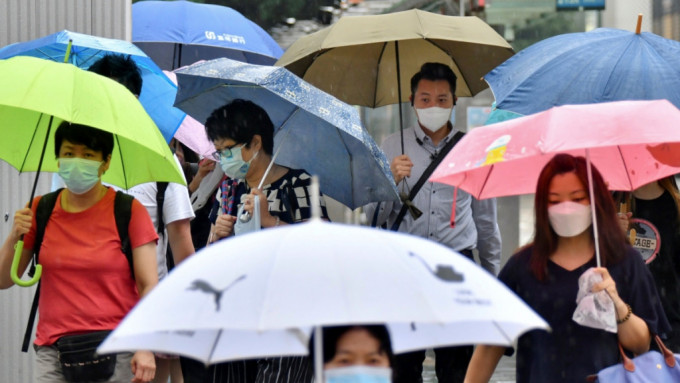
(23, 20)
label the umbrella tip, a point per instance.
(639, 24)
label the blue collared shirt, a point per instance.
(475, 220)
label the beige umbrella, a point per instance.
(369, 60)
(357, 58)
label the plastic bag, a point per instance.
(243, 226)
(594, 310)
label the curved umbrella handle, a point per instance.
(18, 249)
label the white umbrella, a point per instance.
(322, 274)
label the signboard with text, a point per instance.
(576, 4)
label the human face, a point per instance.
(357, 347)
(567, 187)
(433, 93)
(69, 149)
(225, 145)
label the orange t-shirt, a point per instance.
(86, 283)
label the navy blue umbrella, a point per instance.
(158, 91)
(314, 131)
(179, 33)
(589, 67)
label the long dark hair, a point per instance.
(611, 237)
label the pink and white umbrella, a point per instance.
(631, 143)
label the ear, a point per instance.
(256, 142)
(455, 100)
(105, 165)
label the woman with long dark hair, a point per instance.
(545, 275)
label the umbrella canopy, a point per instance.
(313, 130)
(192, 133)
(582, 68)
(158, 92)
(361, 60)
(179, 33)
(632, 143)
(262, 282)
(35, 89)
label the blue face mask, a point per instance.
(358, 374)
(79, 175)
(233, 165)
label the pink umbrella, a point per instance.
(191, 132)
(632, 143)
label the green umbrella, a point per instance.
(36, 95)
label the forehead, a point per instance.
(358, 340)
(222, 143)
(66, 144)
(434, 88)
(566, 183)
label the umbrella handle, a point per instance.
(18, 249)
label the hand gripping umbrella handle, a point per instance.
(18, 249)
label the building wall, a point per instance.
(23, 20)
(624, 14)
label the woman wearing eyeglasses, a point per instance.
(243, 135)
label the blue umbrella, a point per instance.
(179, 33)
(313, 130)
(158, 92)
(589, 67)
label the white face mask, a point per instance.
(570, 219)
(358, 374)
(434, 118)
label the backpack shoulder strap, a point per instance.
(42, 214)
(122, 210)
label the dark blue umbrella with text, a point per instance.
(180, 33)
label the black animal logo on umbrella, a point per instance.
(445, 273)
(207, 288)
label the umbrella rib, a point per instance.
(214, 346)
(377, 69)
(500, 330)
(122, 163)
(351, 160)
(30, 144)
(625, 166)
(486, 179)
(465, 80)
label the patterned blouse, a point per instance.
(288, 196)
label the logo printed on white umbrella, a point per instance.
(444, 272)
(207, 288)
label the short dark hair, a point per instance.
(93, 138)
(331, 335)
(240, 120)
(120, 68)
(433, 71)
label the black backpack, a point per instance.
(122, 212)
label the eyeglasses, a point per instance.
(226, 151)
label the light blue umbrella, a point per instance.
(313, 130)
(158, 92)
(179, 33)
(589, 67)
